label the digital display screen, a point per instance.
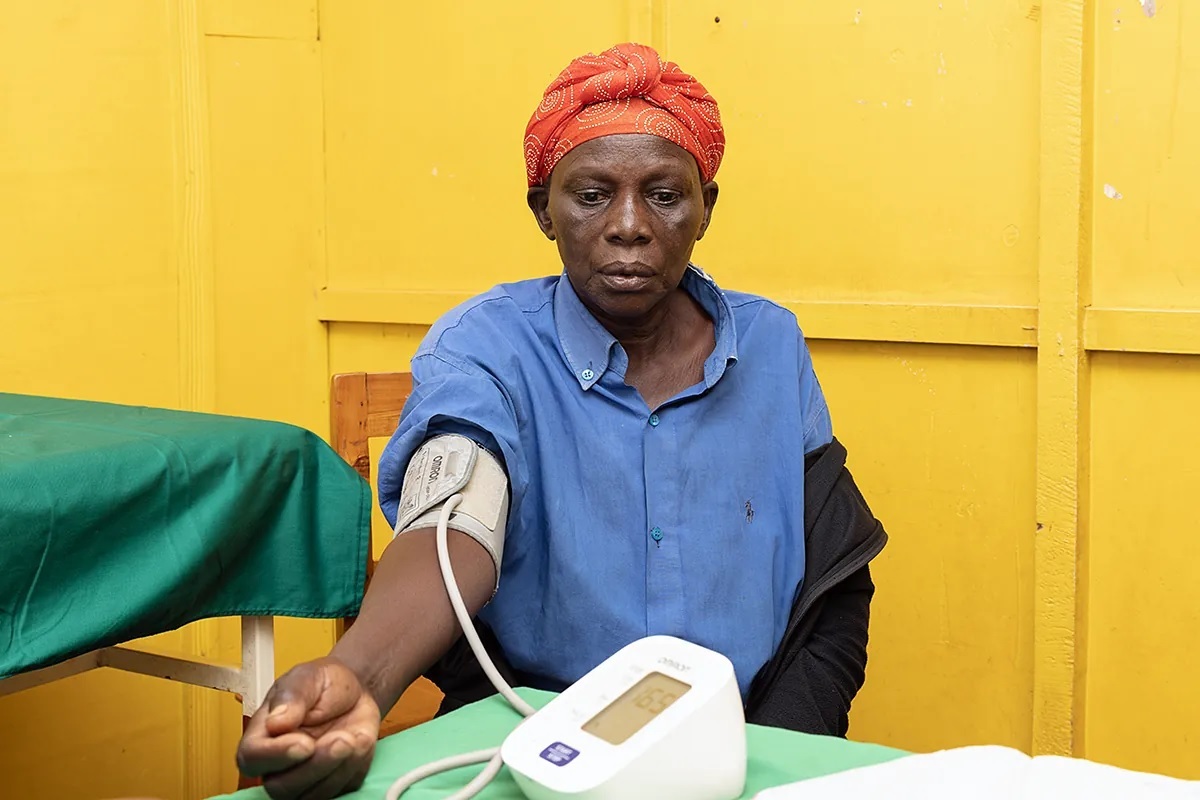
(630, 712)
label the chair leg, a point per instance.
(417, 705)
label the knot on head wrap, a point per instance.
(626, 89)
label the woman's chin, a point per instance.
(626, 306)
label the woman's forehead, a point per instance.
(629, 155)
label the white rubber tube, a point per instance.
(492, 756)
(464, 617)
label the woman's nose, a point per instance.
(627, 223)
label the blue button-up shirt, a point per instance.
(627, 521)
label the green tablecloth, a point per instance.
(776, 756)
(118, 522)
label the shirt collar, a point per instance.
(591, 350)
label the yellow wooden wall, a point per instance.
(979, 210)
(161, 226)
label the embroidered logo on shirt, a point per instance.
(749, 512)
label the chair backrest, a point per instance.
(365, 405)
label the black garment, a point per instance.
(819, 665)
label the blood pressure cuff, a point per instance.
(450, 464)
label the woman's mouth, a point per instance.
(626, 277)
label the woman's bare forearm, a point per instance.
(406, 622)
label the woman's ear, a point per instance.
(539, 203)
(709, 192)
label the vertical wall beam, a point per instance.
(197, 361)
(197, 345)
(648, 23)
(1060, 372)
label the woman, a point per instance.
(641, 451)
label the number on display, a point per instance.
(655, 700)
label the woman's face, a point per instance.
(626, 211)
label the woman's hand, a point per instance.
(315, 735)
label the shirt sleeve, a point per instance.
(451, 397)
(818, 426)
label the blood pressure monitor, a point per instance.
(662, 718)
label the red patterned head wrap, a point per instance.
(626, 89)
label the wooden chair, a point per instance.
(364, 406)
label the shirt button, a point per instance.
(587, 374)
(654, 420)
(656, 533)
